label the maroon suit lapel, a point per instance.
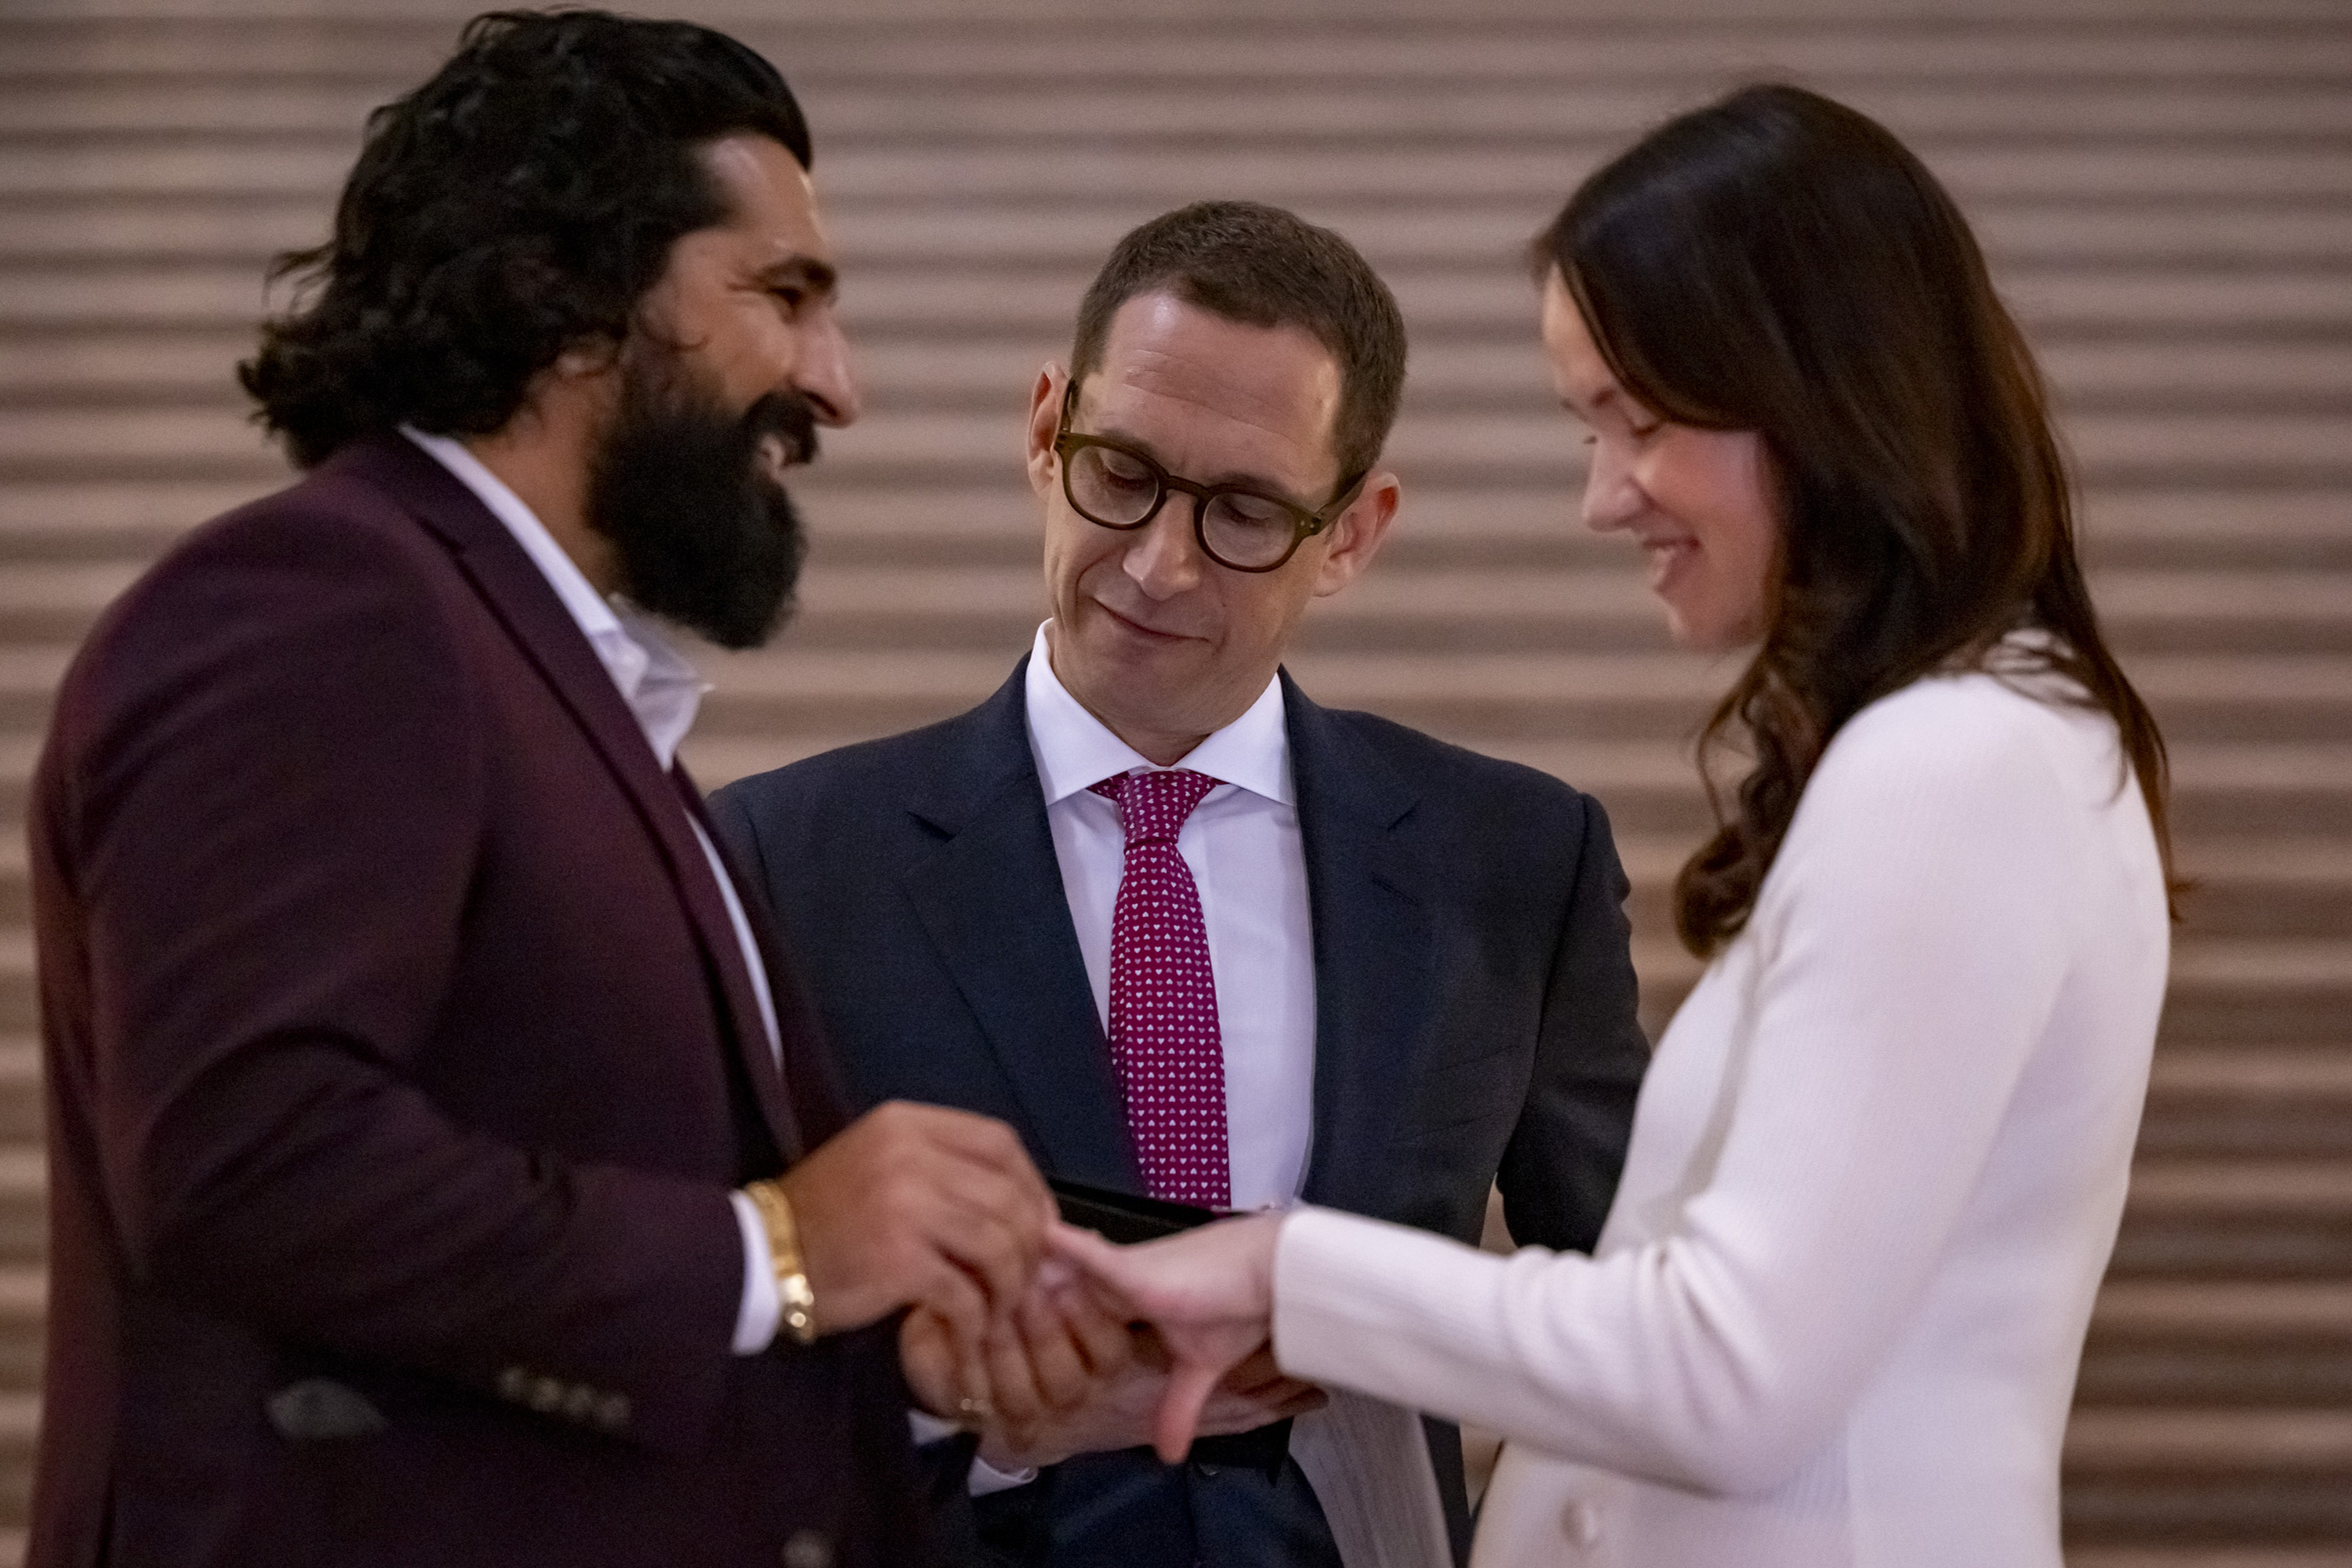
(818, 1099)
(526, 604)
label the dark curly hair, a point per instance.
(517, 205)
(1777, 262)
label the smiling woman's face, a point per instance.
(1698, 501)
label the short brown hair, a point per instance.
(1264, 267)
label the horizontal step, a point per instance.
(888, 604)
(727, 744)
(851, 113)
(962, 47)
(1536, 448)
(2218, 1190)
(1400, 591)
(877, 232)
(1151, 177)
(2268, 450)
(2280, 962)
(739, 14)
(990, 381)
(2224, 1310)
(2207, 1555)
(1618, 768)
(1358, 680)
(2223, 1511)
(897, 520)
(2209, 1441)
(24, 1296)
(2257, 1071)
(1016, 303)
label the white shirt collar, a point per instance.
(1074, 749)
(661, 687)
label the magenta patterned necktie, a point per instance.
(1164, 1039)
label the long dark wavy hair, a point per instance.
(517, 205)
(1777, 262)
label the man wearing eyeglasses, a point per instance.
(1193, 936)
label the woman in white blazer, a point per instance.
(1836, 1316)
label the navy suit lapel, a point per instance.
(990, 897)
(526, 604)
(1374, 955)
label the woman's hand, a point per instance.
(1209, 1292)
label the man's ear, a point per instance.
(1044, 418)
(587, 359)
(1358, 533)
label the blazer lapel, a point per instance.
(1374, 959)
(990, 897)
(524, 602)
(803, 1104)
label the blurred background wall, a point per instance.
(2165, 187)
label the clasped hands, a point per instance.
(1048, 1341)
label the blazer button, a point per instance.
(1581, 1522)
(808, 1549)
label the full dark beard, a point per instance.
(703, 535)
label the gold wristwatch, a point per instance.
(793, 1290)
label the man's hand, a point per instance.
(919, 1206)
(1059, 1350)
(1124, 1409)
(1076, 1379)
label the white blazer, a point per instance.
(1834, 1319)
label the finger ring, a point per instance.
(978, 1408)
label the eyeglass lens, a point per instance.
(1120, 488)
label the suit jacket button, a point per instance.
(808, 1549)
(1581, 1522)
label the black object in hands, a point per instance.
(1123, 1217)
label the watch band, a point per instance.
(793, 1292)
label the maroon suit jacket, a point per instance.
(401, 1055)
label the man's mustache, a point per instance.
(788, 417)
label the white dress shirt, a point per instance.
(1875, 1175)
(663, 691)
(1243, 847)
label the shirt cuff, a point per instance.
(762, 1309)
(984, 1477)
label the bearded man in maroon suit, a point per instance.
(446, 1168)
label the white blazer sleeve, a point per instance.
(1912, 940)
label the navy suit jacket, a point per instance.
(401, 1055)
(1474, 992)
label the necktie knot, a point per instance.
(1152, 806)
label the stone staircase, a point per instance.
(2165, 187)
